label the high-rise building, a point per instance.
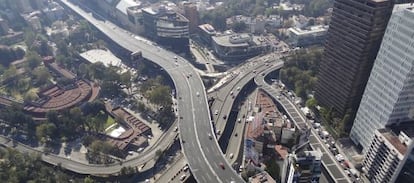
(389, 98)
(4, 27)
(24, 6)
(390, 157)
(354, 37)
(191, 13)
(302, 167)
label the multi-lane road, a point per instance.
(225, 95)
(200, 148)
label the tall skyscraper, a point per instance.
(389, 95)
(354, 37)
(390, 157)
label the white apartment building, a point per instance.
(386, 156)
(389, 95)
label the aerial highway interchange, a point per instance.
(196, 129)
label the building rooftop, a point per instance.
(309, 30)
(282, 151)
(262, 177)
(57, 98)
(399, 142)
(123, 5)
(406, 6)
(103, 56)
(133, 129)
(238, 40)
(208, 28)
(166, 11)
(316, 154)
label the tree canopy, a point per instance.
(300, 69)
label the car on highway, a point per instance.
(239, 120)
(209, 136)
(216, 112)
(198, 94)
(339, 157)
(182, 177)
(222, 166)
(238, 88)
(218, 132)
(185, 168)
(231, 155)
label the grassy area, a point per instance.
(109, 121)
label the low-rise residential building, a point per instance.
(302, 167)
(254, 25)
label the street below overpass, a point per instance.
(333, 168)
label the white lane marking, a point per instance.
(196, 133)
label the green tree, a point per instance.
(273, 169)
(41, 76)
(239, 26)
(126, 79)
(160, 95)
(45, 132)
(33, 60)
(311, 102)
(88, 180)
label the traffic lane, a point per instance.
(235, 143)
(330, 163)
(191, 146)
(225, 109)
(332, 166)
(208, 143)
(209, 146)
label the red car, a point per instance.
(222, 166)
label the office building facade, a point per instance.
(354, 37)
(388, 98)
(167, 27)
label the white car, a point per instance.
(182, 177)
(198, 94)
(185, 168)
